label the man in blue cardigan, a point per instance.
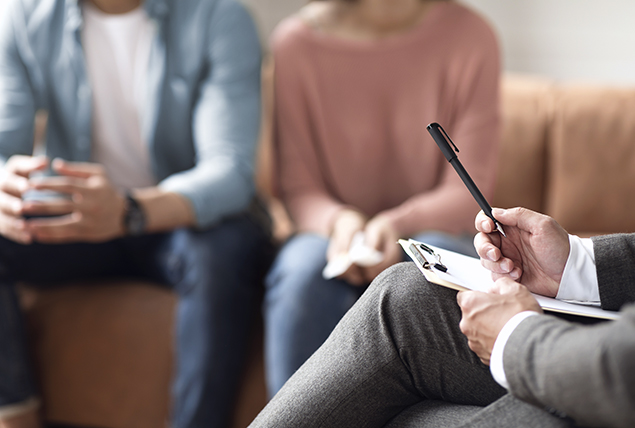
(147, 170)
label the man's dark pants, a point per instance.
(216, 273)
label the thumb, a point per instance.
(521, 218)
(373, 238)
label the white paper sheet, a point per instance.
(467, 273)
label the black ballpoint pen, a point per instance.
(439, 134)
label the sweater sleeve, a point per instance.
(297, 177)
(471, 111)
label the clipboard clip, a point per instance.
(418, 248)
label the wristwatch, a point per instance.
(134, 218)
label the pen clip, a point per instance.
(448, 137)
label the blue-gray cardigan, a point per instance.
(203, 94)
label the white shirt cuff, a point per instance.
(579, 281)
(496, 359)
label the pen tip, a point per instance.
(499, 227)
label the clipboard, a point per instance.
(467, 273)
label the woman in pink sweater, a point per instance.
(356, 83)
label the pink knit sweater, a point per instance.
(351, 116)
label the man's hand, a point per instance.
(93, 212)
(382, 236)
(347, 223)
(485, 314)
(534, 252)
(14, 181)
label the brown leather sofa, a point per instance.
(103, 351)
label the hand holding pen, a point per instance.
(534, 252)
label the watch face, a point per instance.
(135, 219)
(136, 222)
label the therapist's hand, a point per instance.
(485, 314)
(93, 212)
(14, 181)
(534, 252)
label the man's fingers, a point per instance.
(77, 169)
(56, 207)
(480, 350)
(503, 266)
(465, 299)
(14, 185)
(25, 165)
(10, 205)
(67, 185)
(487, 246)
(506, 285)
(55, 229)
(514, 275)
(522, 218)
(483, 223)
(15, 229)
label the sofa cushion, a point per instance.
(103, 352)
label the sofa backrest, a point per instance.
(525, 113)
(568, 150)
(591, 160)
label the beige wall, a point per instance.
(269, 12)
(589, 40)
(592, 40)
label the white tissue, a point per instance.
(359, 253)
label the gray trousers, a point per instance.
(398, 359)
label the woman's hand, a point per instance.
(347, 223)
(382, 236)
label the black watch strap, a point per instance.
(134, 219)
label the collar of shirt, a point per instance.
(156, 10)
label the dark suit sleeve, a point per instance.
(586, 372)
(615, 266)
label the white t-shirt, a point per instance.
(117, 51)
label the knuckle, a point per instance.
(520, 211)
(463, 326)
(467, 299)
(544, 223)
